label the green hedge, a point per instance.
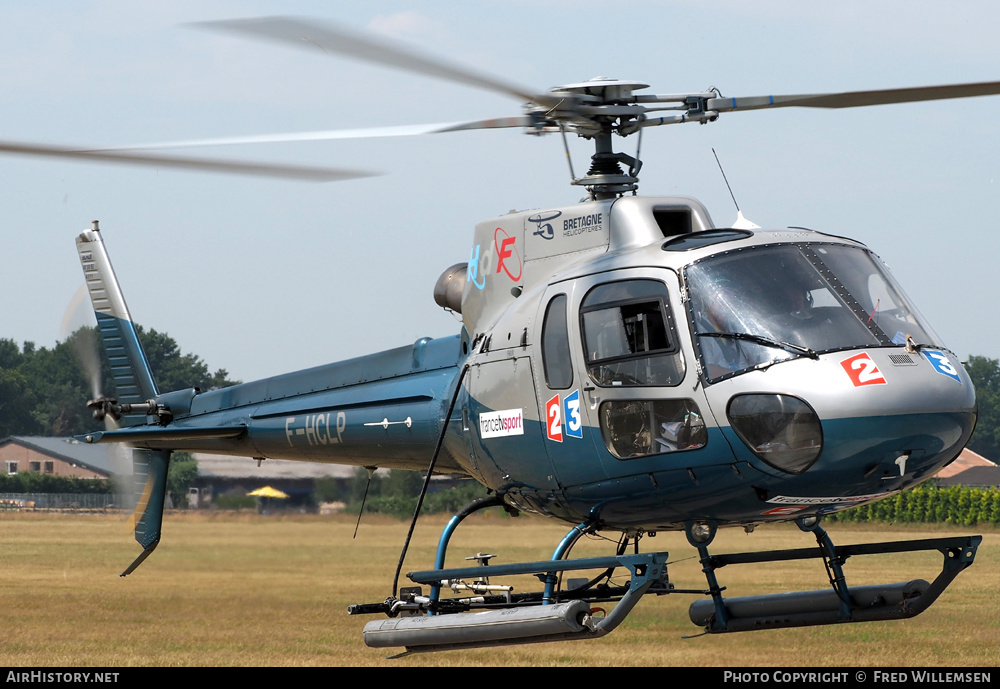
(448, 501)
(35, 482)
(928, 504)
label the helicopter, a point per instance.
(624, 365)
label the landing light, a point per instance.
(781, 430)
(808, 523)
(701, 532)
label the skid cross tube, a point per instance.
(567, 543)
(834, 568)
(449, 529)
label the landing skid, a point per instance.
(487, 614)
(517, 620)
(836, 605)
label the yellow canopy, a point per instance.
(268, 492)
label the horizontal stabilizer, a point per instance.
(139, 434)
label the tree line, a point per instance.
(985, 374)
(45, 391)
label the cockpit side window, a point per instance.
(628, 335)
(555, 345)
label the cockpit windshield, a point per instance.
(756, 306)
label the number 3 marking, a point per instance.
(942, 364)
(574, 422)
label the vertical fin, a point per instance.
(150, 472)
(132, 376)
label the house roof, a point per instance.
(977, 477)
(101, 459)
(967, 460)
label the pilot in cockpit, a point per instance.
(792, 301)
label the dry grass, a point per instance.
(246, 590)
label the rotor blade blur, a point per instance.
(333, 39)
(296, 172)
(855, 99)
(334, 134)
(494, 123)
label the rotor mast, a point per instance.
(598, 109)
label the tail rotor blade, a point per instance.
(81, 337)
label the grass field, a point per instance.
(249, 590)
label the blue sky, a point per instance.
(261, 276)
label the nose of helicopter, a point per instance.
(849, 426)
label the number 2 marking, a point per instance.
(867, 371)
(862, 370)
(553, 412)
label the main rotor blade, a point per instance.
(855, 99)
(333, 134)
(297, 172)
(333, 39)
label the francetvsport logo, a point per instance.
(498, 423)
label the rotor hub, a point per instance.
(602, 89)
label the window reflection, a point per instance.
(555, 345)
(637, 428)
(629, 336)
